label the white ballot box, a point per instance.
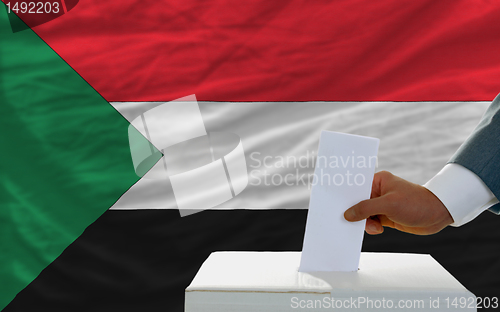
(271, 282)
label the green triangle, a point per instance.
(65, 157)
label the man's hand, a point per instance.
(401, 205)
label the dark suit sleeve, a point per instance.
(480, 153)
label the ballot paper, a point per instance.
(343, 176)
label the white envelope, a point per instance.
(344, 171)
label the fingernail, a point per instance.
(373, 228)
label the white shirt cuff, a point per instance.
(462, 192)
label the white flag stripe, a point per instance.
(279, 140)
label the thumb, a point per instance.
(366, 209)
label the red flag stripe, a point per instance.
(63, 4)
(283, 51)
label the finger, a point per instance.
(373, 226)
(376, 192)
(366, 208)
(384, 221)
(379, 179)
